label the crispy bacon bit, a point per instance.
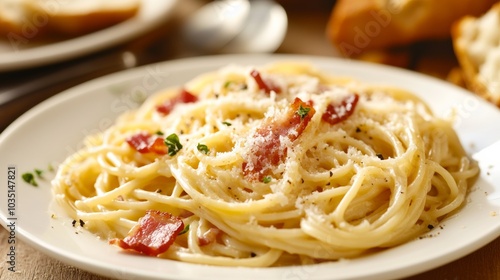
(209, 236)
(183, 97)
(338, 112)
(269, 151)
(153, 235)
(144, 142)
(263, 85)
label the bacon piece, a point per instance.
(338, 112)
(209, 236)
(263, 85)
(269, 151)
(183, 97)
(144, 142)
(153, 234)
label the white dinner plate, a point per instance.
(22, 53)
(54, 129)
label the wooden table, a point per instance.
(305, 36)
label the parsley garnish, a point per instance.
(267, 179)
(227, 84)
(186, 229)
(159, 133)
(173, 144)
(29, 178)
(203, 148)
(227, 123)
(302, 112)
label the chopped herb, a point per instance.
(203, 148)
(380, 156)
(159, 133)
(227, 123)
(186, 229)
(38, 172)
(173, 144)
(29, 178)
(266, 179)
(50, 167)
(227, 84)
(302, 112)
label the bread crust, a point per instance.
(470, 68)
(67, 21)
(356, 26)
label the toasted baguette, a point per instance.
(356, 26)
(12, 16)
(476, 41)
(68, 18)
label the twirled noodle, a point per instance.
(378, 178)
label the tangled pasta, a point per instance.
(265, 166)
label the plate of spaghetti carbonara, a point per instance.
(274, 167)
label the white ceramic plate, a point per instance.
(50, 131)
(21, 53)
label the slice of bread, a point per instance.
(356, 26)
(67, 18)
(476, 41)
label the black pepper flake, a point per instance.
(430, 226)
(302, 180)
(253, 255)
(331, 173)
(82, 223)
(358, 130)
(380, 156)
(73, 223)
